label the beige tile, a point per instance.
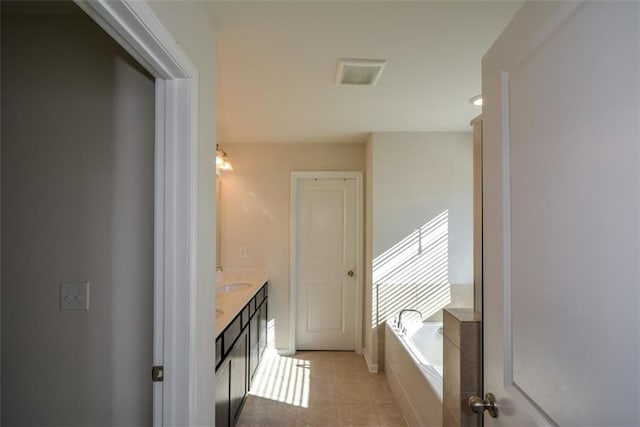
(389, 415)
(350, 363)
(322, 374)
(357, 415)
(345, 356)
(322, 394)
(470, 357)
(465, 314)
(451, 376)
(448, 419)
(451, 328)
(313, 355)
(341, 391)
(381, 392)
(245, 419)
(317, 416)
(314, 359)
(274, 414)
(250, 406)
(341, 374)
(251, 402)
(353, 393)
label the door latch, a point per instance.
(157, 374)
(478, 405)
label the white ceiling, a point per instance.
(277, 62)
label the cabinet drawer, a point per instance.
(218, 350)
(245, 315)
(252, 306)
(259, 298)
(231, 333)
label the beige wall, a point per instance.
(413, 179)
(77, 198)
(191, 26)
(256, 210)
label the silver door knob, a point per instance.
(478, 405)
(350, 273)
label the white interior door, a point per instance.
(326, 233)
(562, 216)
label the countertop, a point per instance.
(232, 302)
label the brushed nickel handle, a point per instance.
(479, 405)
(350, 273)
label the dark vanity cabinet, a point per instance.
(222, 394)
(239, 349)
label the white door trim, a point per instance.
(134, 26)
(295, 178)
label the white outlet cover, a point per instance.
(74, 296)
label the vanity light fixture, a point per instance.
(476, 100)
(222, 161)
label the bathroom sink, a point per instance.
(219, 312)
(232, 287)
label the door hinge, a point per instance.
(157, 374)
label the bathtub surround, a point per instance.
(462, 357)
(419, 231)
(413, 366)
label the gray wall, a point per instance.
(77, 204)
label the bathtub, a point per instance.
(413, 365)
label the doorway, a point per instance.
(326, 261)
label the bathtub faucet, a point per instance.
(402, 329)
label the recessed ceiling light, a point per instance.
(476, 100)
(358, 72)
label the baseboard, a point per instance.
(285, 352)
(373, 368)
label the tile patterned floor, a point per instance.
(319, 388)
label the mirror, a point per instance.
(218, 221)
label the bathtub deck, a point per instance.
(319, 388)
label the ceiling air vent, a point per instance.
(359, 72)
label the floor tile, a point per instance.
(321, 394)
(357, 415)
(389, 415)
(317, 416)
(319, 388)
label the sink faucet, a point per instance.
(406, 310)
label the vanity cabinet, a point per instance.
(222, 394)
(239, 375)
(239, 350)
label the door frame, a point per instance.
(134, 26)
(296, 177)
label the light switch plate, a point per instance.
(74, 296)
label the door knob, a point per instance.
(478, 405)
(350, 273)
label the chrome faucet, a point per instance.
(402, 329)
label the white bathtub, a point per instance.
(413, 365)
